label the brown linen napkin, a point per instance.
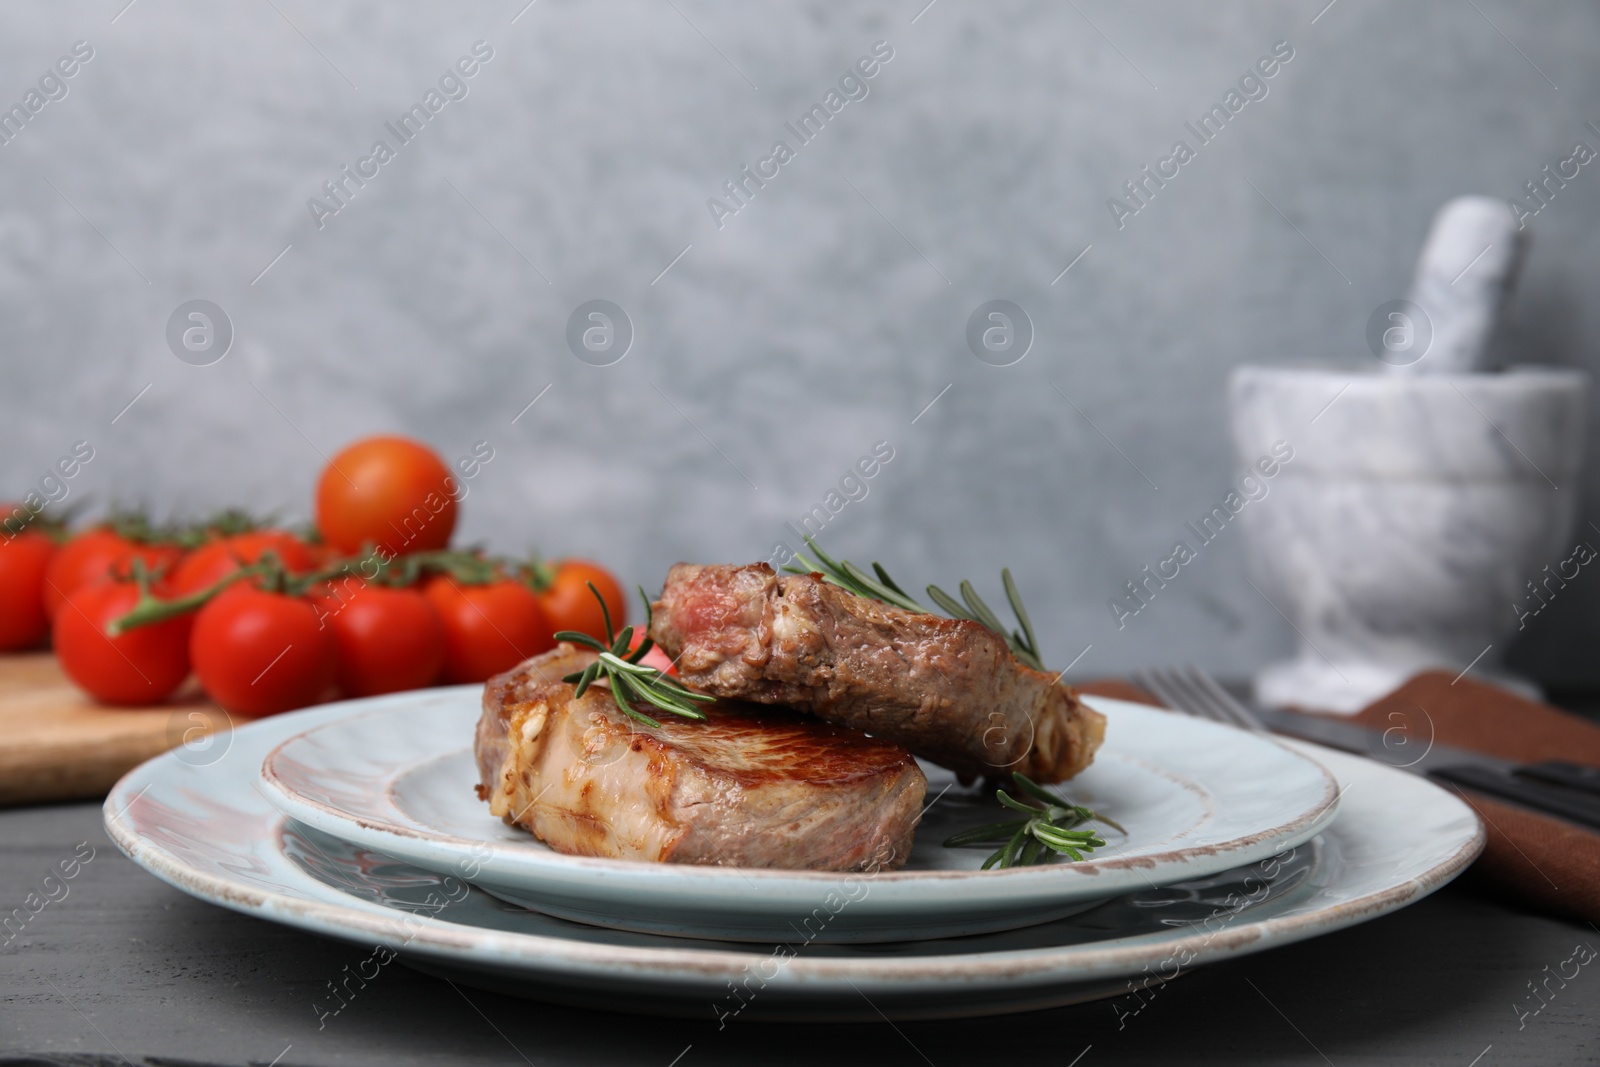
(1544, 862)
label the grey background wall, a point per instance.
(824, 316)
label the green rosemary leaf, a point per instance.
(1023, 642)
(666, 701)
(1036, 791)
(605, 612)
(632, 682)
(1048, 831)
(985, 835)
(649, 615)
(579, 639)
(949, 604)
(1018, 610)
(624, 696)
(1040, 793)
(980, 610)
(847, 575)
(615, 662)
(876, 590)
(1008, 855)
(584, 678)
(1031, 852)
(1097, 817)
(1075, 838)
(821, 555)
(667, 682)
(1016, 805)
(620, 695)
(883, 576)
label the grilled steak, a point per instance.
(750, 787)
(947, 689)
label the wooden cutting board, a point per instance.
(58, 744)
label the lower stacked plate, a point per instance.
(212, 831)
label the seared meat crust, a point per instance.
(948, 689)
(751, 787)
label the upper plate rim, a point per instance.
(1317, 815)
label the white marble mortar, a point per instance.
(1407, 525)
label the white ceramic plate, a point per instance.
(1195, 797)
(209, 831)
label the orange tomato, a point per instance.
(569, 605)
(391, 491)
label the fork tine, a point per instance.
(1240, 714)
(1221, 710)
(1159, 685)
(1183, 688)
(1147, 681)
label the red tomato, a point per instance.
(390, 491)
(388, 639)
(259, 653)
(141, 666)
(655, 657)
(214, 561)
(97, 554)
(569, 605)
(487, 628)
(322, 553)
(24, 558)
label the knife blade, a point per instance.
(1553, 800)
(1571, 775)
(1562, 789)
(1399, 747)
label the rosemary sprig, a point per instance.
(1050, 828)
(847, 575)
(630, 680)
(879, 586)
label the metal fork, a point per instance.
(1194, 692)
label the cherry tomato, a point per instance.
(322, 553)
(214, 561)
(24, 557)
(390, 491)
(97, 554)
(389, 639)
(259, 653)
(487, 628)
(569, 605)
(140, 666)
(655, 657)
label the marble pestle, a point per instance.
(1469, 266)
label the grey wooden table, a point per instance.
(125, 969)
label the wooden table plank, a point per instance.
(58, 744)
